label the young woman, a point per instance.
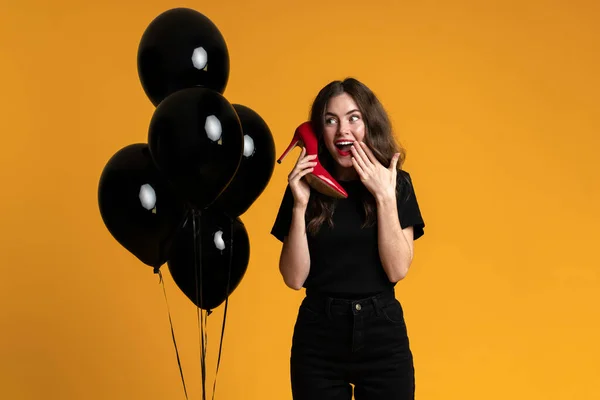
(348, 243)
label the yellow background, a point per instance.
(496, 102)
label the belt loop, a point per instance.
(328, 307)
(376, 306)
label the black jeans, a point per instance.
(339, 342)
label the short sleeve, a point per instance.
(408, 206)
(283, 220)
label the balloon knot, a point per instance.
(157, 271)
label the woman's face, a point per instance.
(343, 125)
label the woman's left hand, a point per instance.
(380, 180)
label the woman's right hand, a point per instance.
(300, 188)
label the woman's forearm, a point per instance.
(294, 261)
(394, 247)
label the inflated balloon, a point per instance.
(222, 262)
(137, 205)
(182, 48)
(256, 166)
(196, 140)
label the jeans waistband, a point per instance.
(321, 302)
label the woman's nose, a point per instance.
(344, 127)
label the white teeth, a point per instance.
(343, 143)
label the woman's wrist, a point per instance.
(300, 207)
(385, 197)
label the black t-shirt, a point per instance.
(344, 260)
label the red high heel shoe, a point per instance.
(319, 179)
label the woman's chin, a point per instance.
(344, 162)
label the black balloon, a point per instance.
(195, 138)
(256, 166)
(222, 262)
(182, 48)
(137, 205)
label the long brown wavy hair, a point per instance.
(379, 137)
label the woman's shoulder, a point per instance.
(403, 177)
(404, 184)
(403, 173)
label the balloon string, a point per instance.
(161, 281)
(203, 352)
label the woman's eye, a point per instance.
(354, 118)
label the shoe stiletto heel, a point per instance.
(319, 179)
